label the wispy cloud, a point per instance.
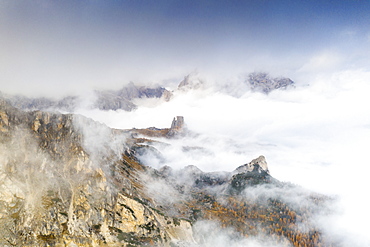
(315, 136)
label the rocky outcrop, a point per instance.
(253, 173)
(262, 82)
(55, 191)
(190, 82)
(66, 180)
(177, 130)
(259, 165)
(177, 127)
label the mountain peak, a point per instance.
(177, 126)
(263, 82)
(190, 81)
(259, 164)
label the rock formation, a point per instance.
(56, 191)
(262, 82)
(69, 181)
(259, 164)
(190, 82)
(177, 127)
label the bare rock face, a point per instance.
(259, 164)
(262, 82)
(177, 127)
(62, 186)
(253, 173)
(178, 123)
(190, 82)
(66, 180)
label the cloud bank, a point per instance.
(315, 135)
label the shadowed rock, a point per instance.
(262, 82)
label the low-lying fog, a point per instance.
(314, 135)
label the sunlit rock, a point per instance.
(178, 127)
(259, 164)
(66, 180)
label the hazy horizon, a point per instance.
(53, 48)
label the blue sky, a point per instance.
(84, 44)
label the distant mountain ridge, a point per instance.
(103, 100)
(124, 99)
(263, 82)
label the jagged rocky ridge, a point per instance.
(103, 100)
(263, 82)
(124, 98)
(67, 180)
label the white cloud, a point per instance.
(210, 233)
(323, 61)
(316, 136)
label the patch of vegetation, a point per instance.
(47, 238)
(56, 200)
(64, 214)
(96, 227)
(148, 226)
(240, 181)
(157, 211)
(140, 201)
(130, 238)
(176, 221)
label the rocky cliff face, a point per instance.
(56, 191)
(177, 127)
(69, 181)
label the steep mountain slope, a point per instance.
(67, 180)
(58, 188)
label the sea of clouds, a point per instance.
(315, 135)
